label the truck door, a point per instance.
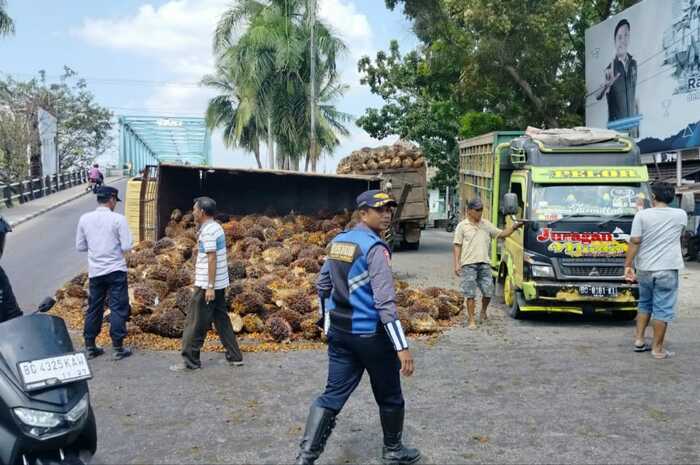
(514, 243)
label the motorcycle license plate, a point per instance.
(64, 369)
(598, 291)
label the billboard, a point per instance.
(643, 74)
(47, 142)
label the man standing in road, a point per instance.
(356, 288)
(209, 300)
(655, 252)
(472, 263)
(105, 236)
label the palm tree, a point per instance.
(272, 60)
(231, 112)
(7, 26)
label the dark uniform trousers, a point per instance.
(113, 285)
(200, 316)
(349, 355)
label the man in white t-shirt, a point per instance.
(209, 301)
(654, 258)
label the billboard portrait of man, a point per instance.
(620, 87)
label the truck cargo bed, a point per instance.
(246, 191)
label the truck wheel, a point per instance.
(514, 311)
(410, 245)
(624, 316)
(510, 297)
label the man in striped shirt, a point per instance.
(209, 301)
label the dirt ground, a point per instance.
(543, 390)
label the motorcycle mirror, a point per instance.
(46, 305)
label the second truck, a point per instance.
(577, 195)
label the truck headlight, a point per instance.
(542, 271)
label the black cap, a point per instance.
(475, 204)
(107, 192)
(375, 199)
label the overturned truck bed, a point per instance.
(243, 192)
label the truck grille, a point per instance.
(592, 269)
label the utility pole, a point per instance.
(311, 12)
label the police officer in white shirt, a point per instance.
(105, 236)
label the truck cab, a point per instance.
(578, 203)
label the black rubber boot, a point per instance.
(394, 452)
(318, 428)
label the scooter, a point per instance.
(452, 223)
(45, 412)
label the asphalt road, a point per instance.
(40, 254)
(544, 390)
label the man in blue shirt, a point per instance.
(356, 288)
(105, 236)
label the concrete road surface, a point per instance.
(40, 254)
(545, 390)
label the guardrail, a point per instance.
(34, 188)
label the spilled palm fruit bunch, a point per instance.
(273, 263)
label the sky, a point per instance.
(147, 57)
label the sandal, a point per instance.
(642, 348)
(663, 355)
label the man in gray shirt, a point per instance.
(105, 236)
(655, 250)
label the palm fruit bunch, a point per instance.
(273, 264)
(402, 155)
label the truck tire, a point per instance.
(624, 316)
(410, 245)
(514, 311)
(510, 298)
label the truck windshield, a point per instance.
(552, 202)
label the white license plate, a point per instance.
(38, 374)
(598, 291)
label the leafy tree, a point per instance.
(84, 126)
(7, 26)
(520, 62)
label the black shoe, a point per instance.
(319, 426)
(121, 353)
(394, 452)
(234, 363)
(94, 352)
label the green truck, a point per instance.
(577, 201)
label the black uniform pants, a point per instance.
(113, 285)
(349, 355)
(200, 316)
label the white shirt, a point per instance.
(211, 239)
(105, 236)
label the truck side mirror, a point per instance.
(510, 204)
(688, 202)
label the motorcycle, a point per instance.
(452, 222)
(95, 184)
(45, 412)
